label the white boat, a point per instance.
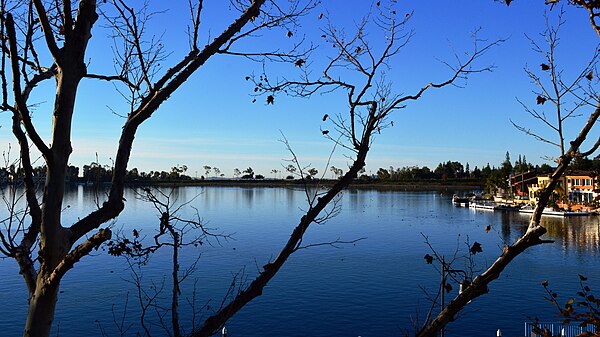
(551, 212)
(485, 206)
(460, 201)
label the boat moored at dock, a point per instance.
(460, 201)
(548, 211)
(488, 205)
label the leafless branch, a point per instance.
(592, 150)
(112, 78)
(78, 253)
(534, 135)
(48, 33)
(335, 243)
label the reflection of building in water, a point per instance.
(575, 233)
(582, 233)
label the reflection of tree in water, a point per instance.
(248, 195)
(506, 221)
(513, 223)
(291, 196)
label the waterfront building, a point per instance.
(520, 183)
(582, 187)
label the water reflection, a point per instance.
(581, 234)
(507, 222)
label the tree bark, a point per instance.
(54, 243)
(41, 310)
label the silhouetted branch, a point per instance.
(195, 12)
(148, 105)
(19, 99)
(79, 252)
(532, 134)
(567, 97)
(355, 54)
(335, 243)
(48, 33)
(112, 78)
(592, 150)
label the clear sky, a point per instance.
(212, 121)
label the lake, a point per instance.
(378, 286)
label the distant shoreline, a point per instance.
(366, 185)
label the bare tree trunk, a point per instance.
(55, 240)
(41, 311)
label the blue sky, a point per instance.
(212, 121)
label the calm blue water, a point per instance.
(376, 287)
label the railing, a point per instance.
(557, 329)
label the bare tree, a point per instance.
(557, 91)
(48, 40)
(175, 233)
(358, 68)
(565, 99)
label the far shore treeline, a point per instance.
(450, 173)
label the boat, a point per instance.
(483, 205)
(460, 201)
(548, 211)
(507, 207)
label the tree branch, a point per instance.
(19, 99)
(334, 244)
(113, 78)
(77, 254)
(48, 33)
(593, 149)
(67, 19)
(462, 69)
(22, 252)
